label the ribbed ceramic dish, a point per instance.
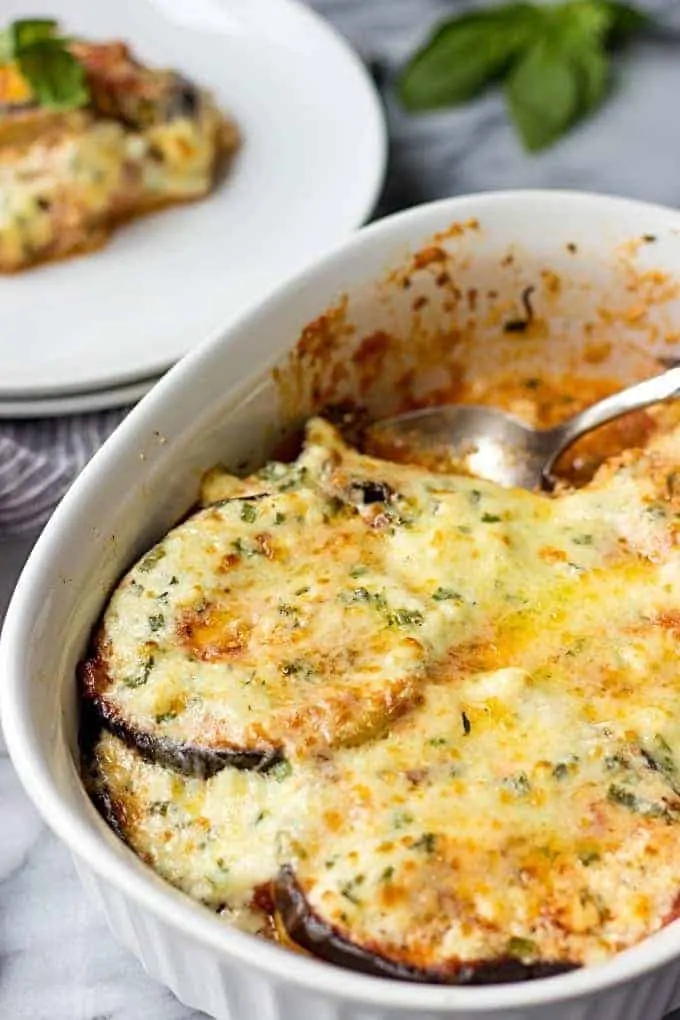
(401, 306)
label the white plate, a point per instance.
(309, 171)
(76, 403)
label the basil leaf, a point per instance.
(543, 94)
(592, 69)
(6, 46)
(625, 22)
(580, 21)
(28, 32)
(553, 56)
(56, 78)
(573, 67)
(465, 54)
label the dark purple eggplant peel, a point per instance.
(188, 759)
(308, 930)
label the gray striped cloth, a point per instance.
(38, 461)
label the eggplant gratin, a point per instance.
(90, 137)
(408, 722)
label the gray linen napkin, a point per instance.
(40, 458)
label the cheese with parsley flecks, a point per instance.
(461, 703)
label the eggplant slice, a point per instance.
(216, 840)
(307, 930)
(246, 636)
(495, 834)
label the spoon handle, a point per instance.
(660, 387)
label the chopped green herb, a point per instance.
(156, 621)
(402, 818)
(426, 842)
(348, 890)
(582, 540)
(159, 807)
(520, 948)
(358, 571)
(285, 609)
(302, 591)
(561, 770)
(519, 784)
(387, 874)
(406, 618)
(174, 579)
(490, 519)
(660, 757)
(648, 809)
(272, 472)
(248, 513)
(261, 816)
(475, 496)
(139, 679)
(334, 506)
(444, 594)
(151, 559)
(56, 77)
(576, 647)
(467, 725)
(221, 864)
(166, 716)
(438, 742)
(297, 667)
(279, 517)
(246, 549)
(615, 762)
(363, 595)
(281, 770)
(588, 857)
(293, 477)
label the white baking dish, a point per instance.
(603, 301)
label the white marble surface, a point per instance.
(57, 960)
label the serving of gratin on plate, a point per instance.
(91, 137)
(411, 722)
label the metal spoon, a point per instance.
(498, 446)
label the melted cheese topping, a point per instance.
(482, 744)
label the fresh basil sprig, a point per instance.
(553, 59)
(56, 78)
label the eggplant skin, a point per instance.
(89, 729)
(187, 759)
(309, 931)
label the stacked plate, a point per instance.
(98, 330)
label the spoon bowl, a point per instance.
(498, 446)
